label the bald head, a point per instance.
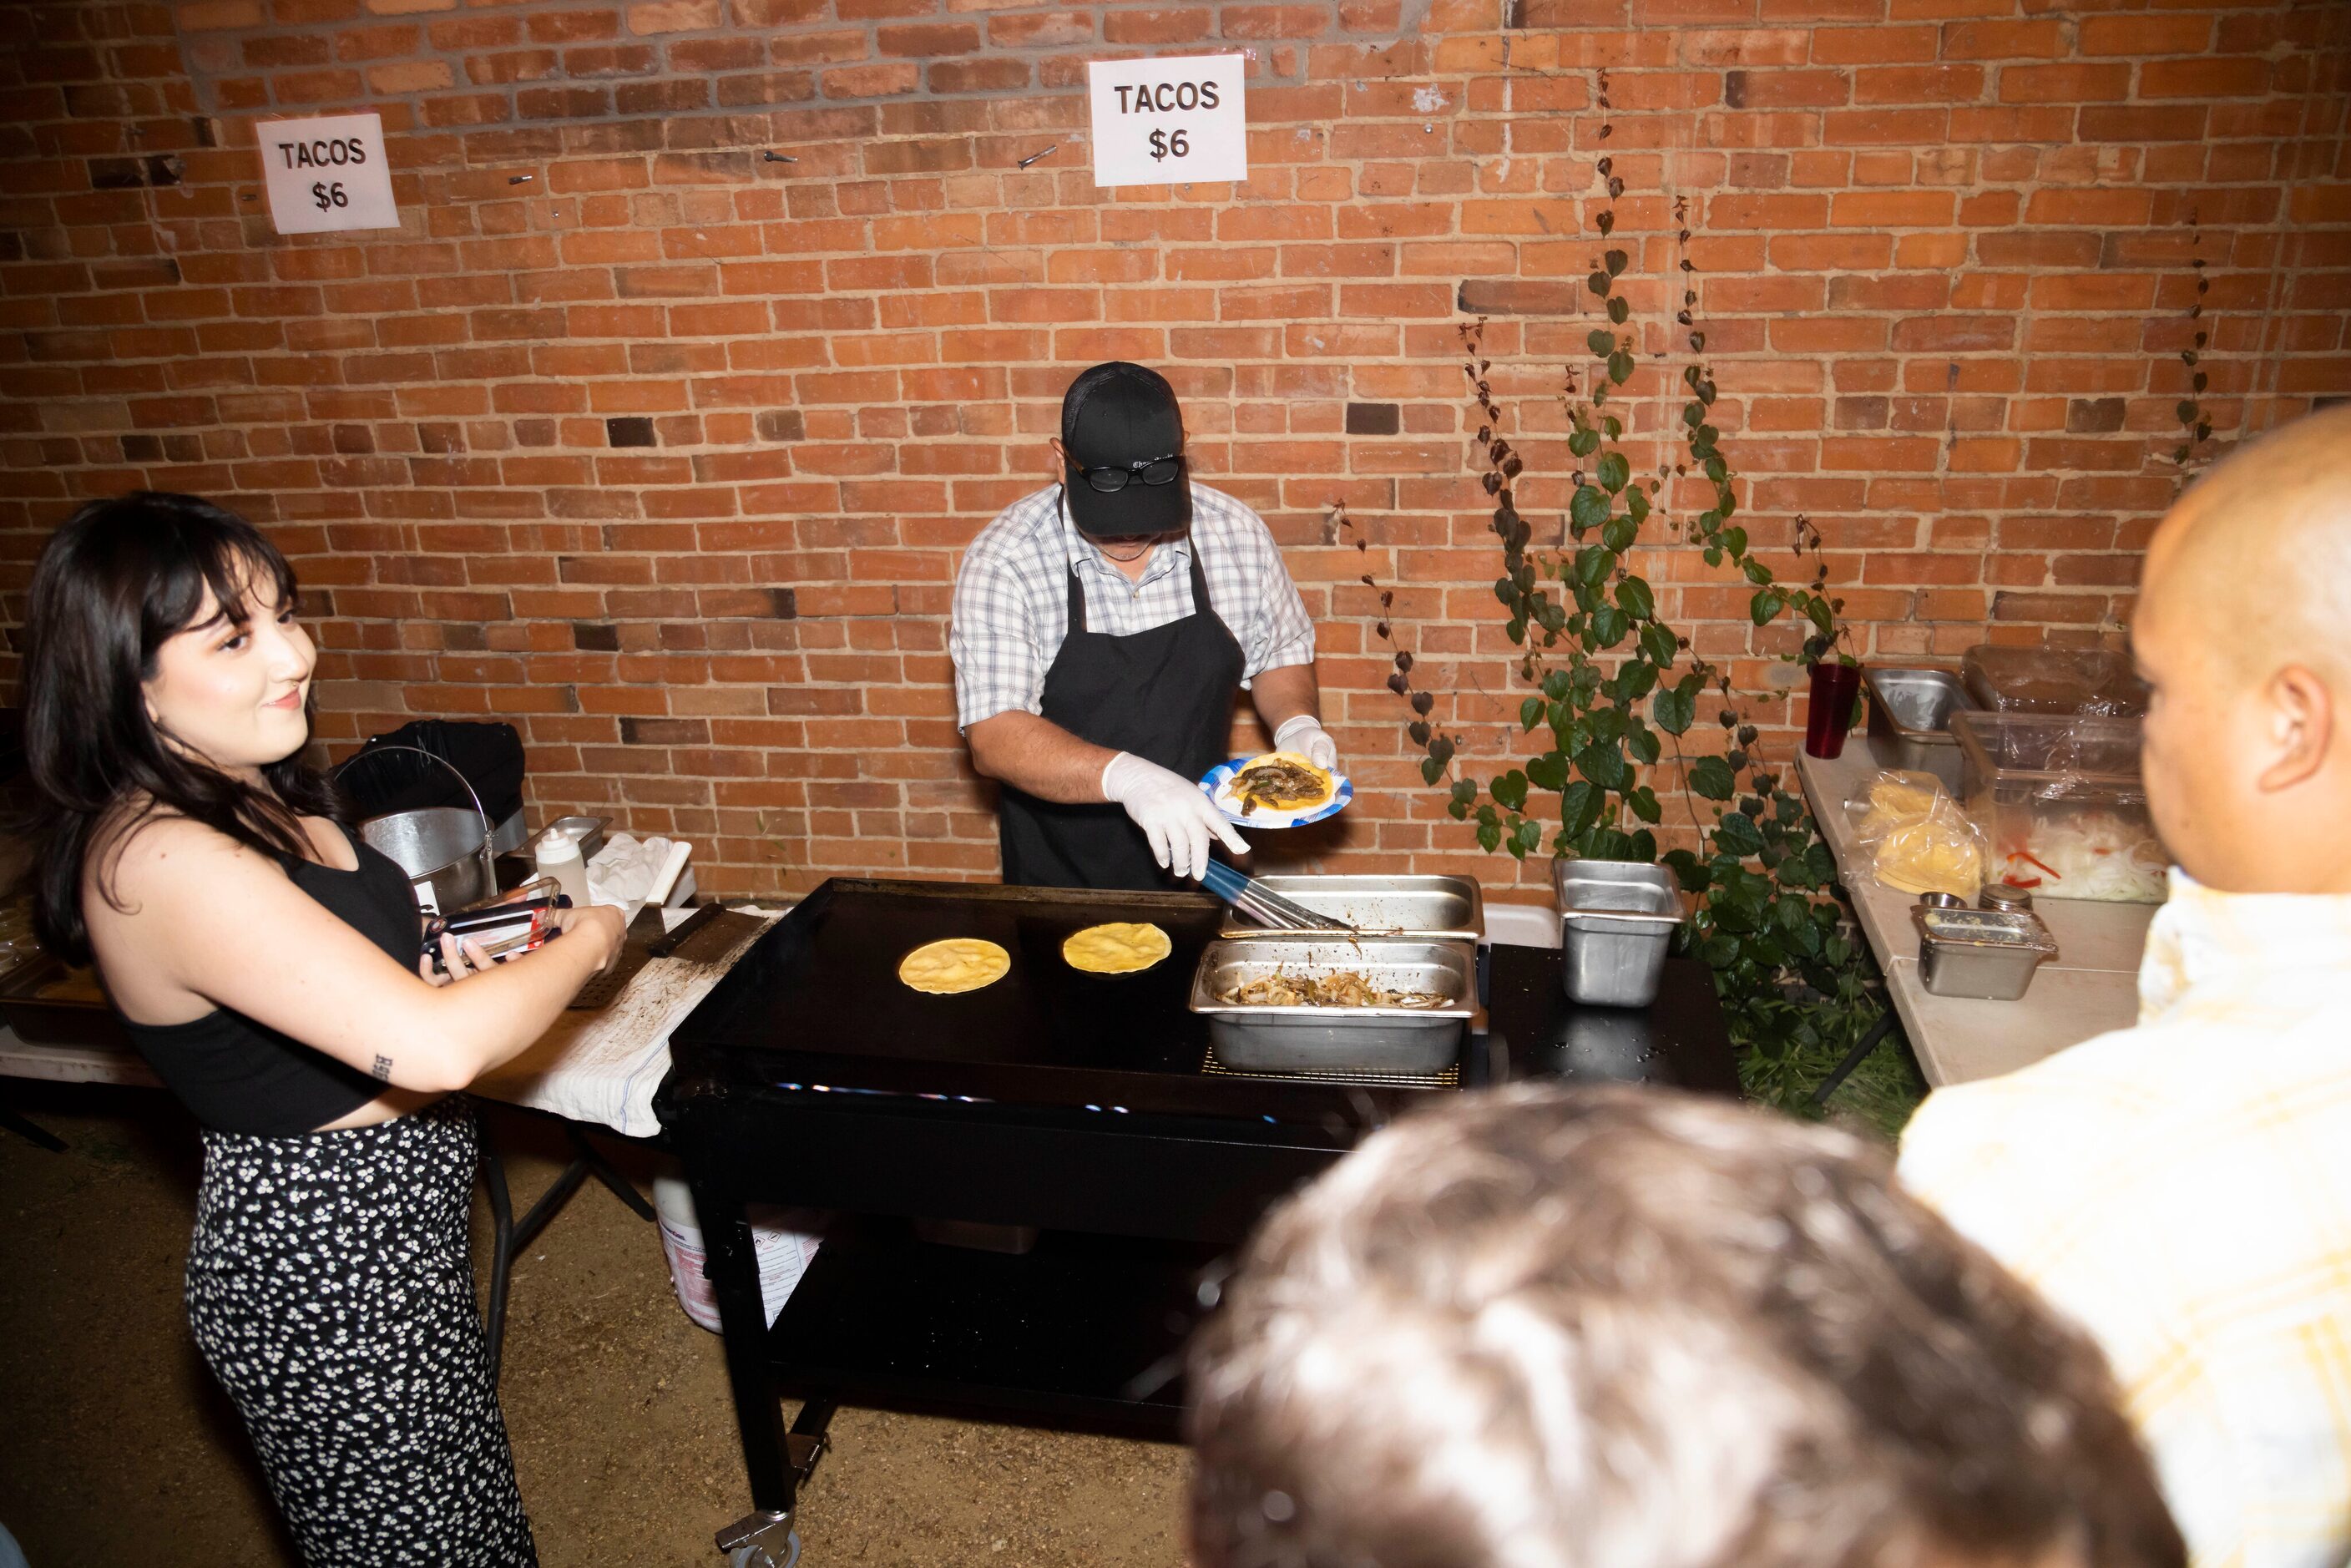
(2259, 550)
(2244, 629)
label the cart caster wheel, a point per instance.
(761, 1557)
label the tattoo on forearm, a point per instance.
(383, 1069)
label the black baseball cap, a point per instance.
(1116, 415)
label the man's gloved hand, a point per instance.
(1174, 814)
(1305, 734)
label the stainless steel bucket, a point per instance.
(444, 850)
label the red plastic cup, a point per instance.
(1834, 687)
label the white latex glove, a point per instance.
(1302, 734)
(1174, 814)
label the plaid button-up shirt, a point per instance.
(1012, 596)
(2183, 1190)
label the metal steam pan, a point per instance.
(1393, 1041)
(1445, 908)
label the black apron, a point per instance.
(1166, 694)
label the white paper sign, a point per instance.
(1162, 122)
(327, 174)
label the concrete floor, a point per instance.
(118, 1447)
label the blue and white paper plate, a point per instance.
(1216, 784)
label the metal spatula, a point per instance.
(1265, 907)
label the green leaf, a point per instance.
(1548, 771)
(1757, 572)
(1464, 791)
(1614, 262)
(1618, 310)
(1526, 837)
(1737, 835)
(1556, 684)
(1636, 505)
(1766, 604)
(1734, 539)
(1634, 595)
(1643, 744)
(1605, 765)
(1620, 366)
(1432, 768)
(1584, 442)
(1643, 802)
(1688, 870)
(1711, 776)
(1490, 836)
(1530, 713)
(1619, 532)
(1673, 711)
(1634, 680)
(1508, 790)
(1588, 507)
(1658, 643)
(1598, 283)
(1593, 563)
(1609, 625)
(1614, 471)
(1601, 342)
(1579, 807)
(1817, 609)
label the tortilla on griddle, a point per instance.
(955, 965)
(1121, 948)
(1286, 783)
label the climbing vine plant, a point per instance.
(1615, 687)
(2195, 419)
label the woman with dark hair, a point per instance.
(266, 962)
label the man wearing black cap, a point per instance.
(1102, 627)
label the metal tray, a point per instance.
(1910, 710)
(1338, 1039)
(1434, 908)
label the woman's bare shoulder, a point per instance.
(139, 848)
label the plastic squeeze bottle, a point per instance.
(557, 855)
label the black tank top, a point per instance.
(239, 1076)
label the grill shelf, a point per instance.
(1448, 1078)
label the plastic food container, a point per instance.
(1910, 710)
(1616, 920)
(2060, 801)
(2037, 678)
(1987, 954)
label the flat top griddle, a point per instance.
(817, 1002)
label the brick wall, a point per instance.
(667, 448)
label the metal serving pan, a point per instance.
(1400, 1041)
(1435, 908)
(1616, 920)
(1910, 710)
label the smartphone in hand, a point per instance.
(504, 931)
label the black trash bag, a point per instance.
(488, 755)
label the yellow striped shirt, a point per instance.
(2183, 1190)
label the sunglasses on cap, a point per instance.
(1112, 477)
